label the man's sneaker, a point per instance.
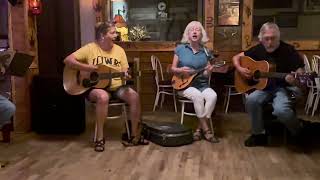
(256, 140)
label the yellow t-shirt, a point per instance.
(115, 58)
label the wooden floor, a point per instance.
(71, 157)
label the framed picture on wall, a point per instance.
(228, 12)
(312, 6)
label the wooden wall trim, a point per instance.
(100, 13)
(148, 45)
(209, 21)
(18, 38)
(305, 44)
(247, 24)
(9, 26)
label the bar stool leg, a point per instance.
(228, 100)
(182, 112)
(126, 120)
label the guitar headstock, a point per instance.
(303, 79)
(306, 77)
(218, 64)
(220, 67)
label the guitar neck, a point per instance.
(111, 75)
(220, 64)
(270, 75)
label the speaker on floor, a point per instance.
(53, 110)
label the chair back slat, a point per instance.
(315, 63)
(306, 62)
(156, 66)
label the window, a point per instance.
(292, 16)
(164, 20)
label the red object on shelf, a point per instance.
(35, 7)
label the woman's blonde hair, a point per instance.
(185, 38)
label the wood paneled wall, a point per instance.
(22, 37)
(147, 82)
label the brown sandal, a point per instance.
(135, 141)
(197, 135)
(209, 136)
(99, 145)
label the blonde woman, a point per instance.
(190, 56)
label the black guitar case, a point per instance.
(167, 133)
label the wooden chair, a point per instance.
(231, 91)
(112, 103)
(315, 94)
(184, 101)
(310, 85)
(163, 87)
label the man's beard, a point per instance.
(273, 48)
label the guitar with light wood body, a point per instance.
(260, 73)
(76, 83)
(181, 81)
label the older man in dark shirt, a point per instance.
(287, 60)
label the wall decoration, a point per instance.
(162, 10)
(229, 38)
(120, 8)
(228, 12)
(138, 33)
(312, 6)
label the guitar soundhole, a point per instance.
(94, 76)
(257, 74)
(252, 82)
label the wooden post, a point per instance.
(209, 21)
(247, 14)
(24, 28)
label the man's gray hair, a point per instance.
(266, 26)
(185, 38)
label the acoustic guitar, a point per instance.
(260, 73)
(181, 81)
(75, 83)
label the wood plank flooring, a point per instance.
(71, 157)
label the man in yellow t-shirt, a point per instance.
(104, 52)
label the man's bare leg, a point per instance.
(132, 99)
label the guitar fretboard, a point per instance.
(111, 75)
(270, 75)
